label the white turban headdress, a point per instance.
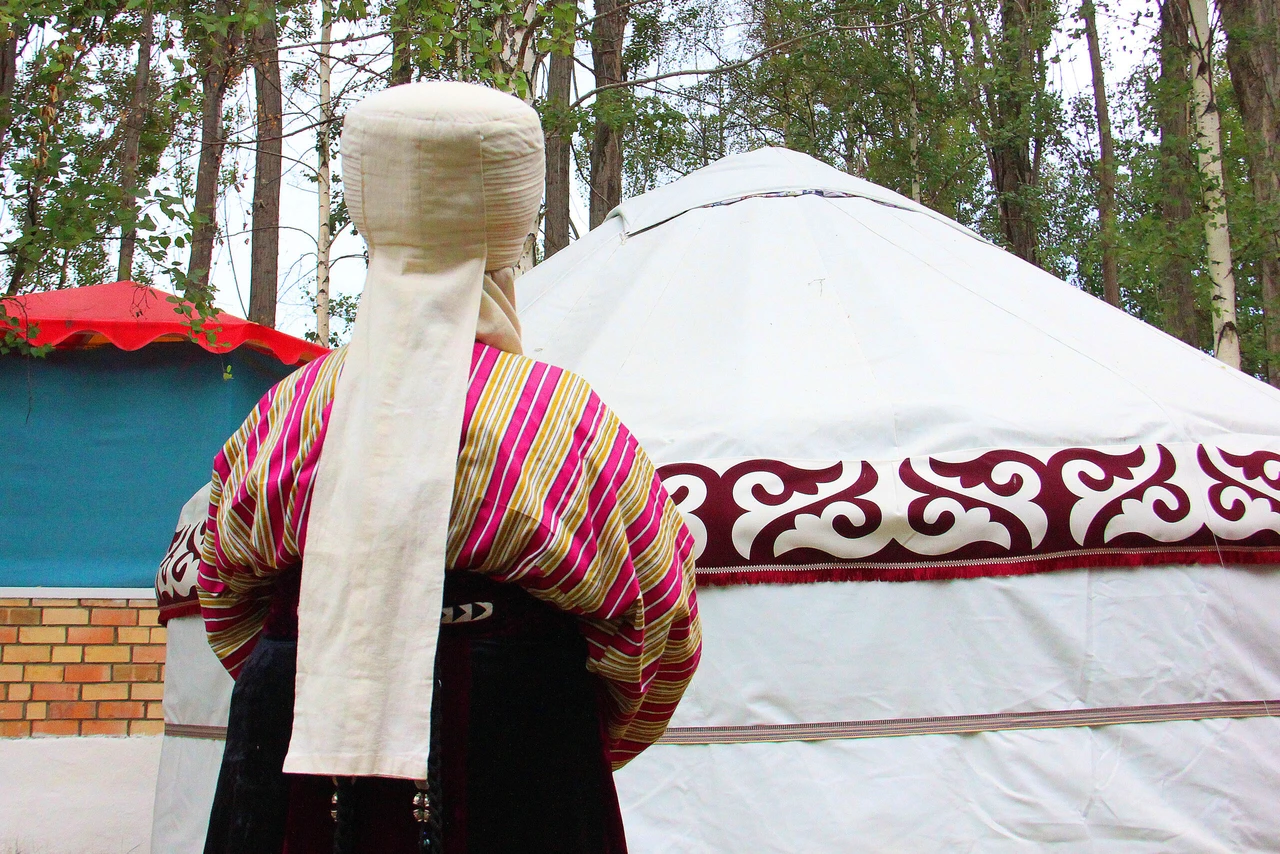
(443, 181)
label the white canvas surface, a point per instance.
(84, 795)
(1067, 640)
(813, 328)
(1201, 787)
(197, 692)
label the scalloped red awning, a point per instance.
(131, 316)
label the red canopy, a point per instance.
(131, 316)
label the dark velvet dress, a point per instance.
(518, 761)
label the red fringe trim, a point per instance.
(945, 571)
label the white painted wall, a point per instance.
(90, 795)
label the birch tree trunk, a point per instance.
(218, 72)
(606, 145)
(1204, 110)
(323, 235)
(913, 140)
(518, 56)
(134, 123)
(1177, 170)
(1253, 59)
(1106, 164)
(558, 147)
(265, 268)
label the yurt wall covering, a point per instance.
(984, 563)
(112, 431)
(102, 445)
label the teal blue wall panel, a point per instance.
(99, 450)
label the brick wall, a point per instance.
(81, 667)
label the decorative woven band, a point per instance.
(958, 724)
(949, 725)
(213, 733)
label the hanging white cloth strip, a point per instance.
(443, 182)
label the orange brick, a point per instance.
(104, 728)
(55, 691)
(43, 634)
(136, 673)
(67, 654)
(149, 617)
(88, 673)
(106, 653)
(91, 634)
(72, 710)
(155, 711)
(37, 711)
(160, 635)
(14, 603)
(107, 691)
(55, 728)
(20, 691)
(9, 634)
(11, 711)
(10, 673)
(65, 616)
(121, 710)
(142, 603)
(104, 603)
(20, 616)
(151, 653)
(146, 691)
(114, 617)
(133, 634)
(15, 729)
(43, 672)
(146, 727)
(55, 602)
(16, 653)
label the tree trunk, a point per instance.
(606, 145)
(1011, 132)
(1204, 108)
(1253, 59)
(133, 125)
(323, 236)
(8, 80)
(913, 130)
(1177, 170)
(1106, 164)
(265, 269)
(559, 147)
(216, 76)
(401, 54)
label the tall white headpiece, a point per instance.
(443, 182)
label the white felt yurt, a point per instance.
(985, 564)
(197, 695)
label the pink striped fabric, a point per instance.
(552, 493)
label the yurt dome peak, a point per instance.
(762, 172)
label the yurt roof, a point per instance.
(838, 384)
(130, 316)
(770, 305)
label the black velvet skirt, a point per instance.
(518, 760)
